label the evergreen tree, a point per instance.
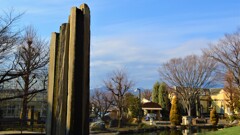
(132, 103)
(163, 100)
(214, 116)
(155, 92)
(175, 115)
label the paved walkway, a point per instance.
(18, 132)
(104, 134)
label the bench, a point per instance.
(201, 121)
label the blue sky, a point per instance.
(137, 35)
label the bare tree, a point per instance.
(189, 75)
(101, 101)
(119, 84)
(32, 56)
(227, 52)
(9, 37)
(232, 93)
(147, 94)
(42, 77)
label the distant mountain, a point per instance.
(99, 88)
(103, 89)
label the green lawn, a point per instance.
(225, 131)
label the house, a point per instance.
(151, 107)
(208, 98)
(11, 109)
(219, 100)
(147, 107)
(197, 102)
(113, 112)
(204, 102)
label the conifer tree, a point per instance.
(163, 100)
(175, 115)
(155, 92)
(161, 90)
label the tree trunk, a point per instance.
(25, 100)
(189, 109)
(24, 111)
(120, 118)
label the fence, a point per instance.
(22, 125)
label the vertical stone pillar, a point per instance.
(78, 73)
(68, 90)
(51, 84)
(62, 80)
(86, 68)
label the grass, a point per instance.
(225, 131)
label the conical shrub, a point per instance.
(175, 115)
(214, 116)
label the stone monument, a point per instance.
(68, 86)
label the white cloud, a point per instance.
(141, 43)
(140, 57)
(193, 46)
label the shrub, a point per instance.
(164, 132)
(213, 116)
(98, 126)
(113, 123)
(145, 126)
(231, 118)
(175, 132)
(175, 115)
(133, 121)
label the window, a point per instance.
(10, 112)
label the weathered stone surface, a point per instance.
(78, 75)
(62, 80)
(69, 76)
(51, 78)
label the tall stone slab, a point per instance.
(51, 80)
(68, 91)
(78, 77)
(62, 81)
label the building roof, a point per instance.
(113, 108)
(215, 91)
(144, 100)
(151, 105)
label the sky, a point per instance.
(137, 35)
